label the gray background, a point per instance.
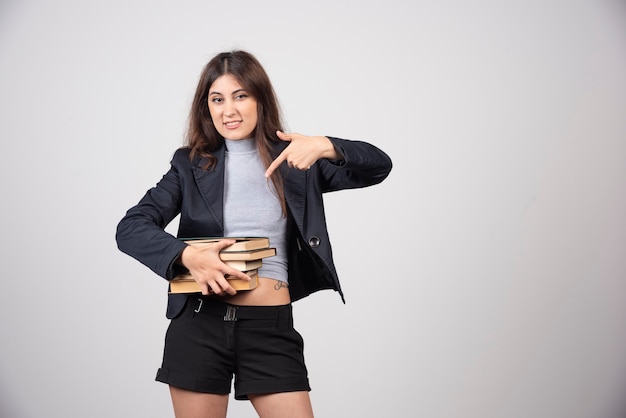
(485, 278)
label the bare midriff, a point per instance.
(269, 292)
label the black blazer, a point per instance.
(197, 195)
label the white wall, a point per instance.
(485, 278)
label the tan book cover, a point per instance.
(244, 265)
(241, 244)
(186, 284)
(245, 249)
(248, 255)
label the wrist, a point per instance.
(185, 255)
(330, 152)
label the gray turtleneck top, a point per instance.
(251, 207)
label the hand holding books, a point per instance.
(221, 265)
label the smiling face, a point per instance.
(233, 110)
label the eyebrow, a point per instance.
(234, 92)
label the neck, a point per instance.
(240, 145)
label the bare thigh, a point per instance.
(283, 405)
(190, 404)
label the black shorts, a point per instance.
(210, 341)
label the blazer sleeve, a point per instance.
(363, 165)
(140, 233)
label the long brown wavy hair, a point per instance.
(203, 138)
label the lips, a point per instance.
(232, 124)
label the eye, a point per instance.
(217, 99)
(241, 96)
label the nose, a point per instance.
(229, 109)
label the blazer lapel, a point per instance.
(210, 184)
(295, 194)
(294, 183)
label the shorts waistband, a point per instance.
(234, 312)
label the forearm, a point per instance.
(363, 163)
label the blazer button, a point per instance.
(314, 242)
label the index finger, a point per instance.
(223, 243)
(278, 161)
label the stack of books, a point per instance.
(246, 254)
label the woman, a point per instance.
(239, 174)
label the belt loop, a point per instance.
(199, 306)
(231, 313)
